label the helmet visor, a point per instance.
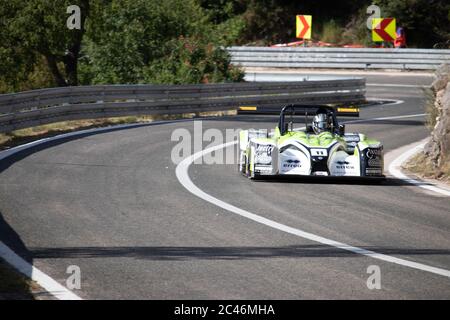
(321, 123)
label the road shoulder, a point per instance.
(395, 160)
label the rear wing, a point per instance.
(301, 110)
(347, 111)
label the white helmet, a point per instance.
(321, 123)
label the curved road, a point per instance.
(111, 204)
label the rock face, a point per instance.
(438, 149)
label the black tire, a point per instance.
(242, 166)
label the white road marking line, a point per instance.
(45, 281)
(49, 284)
(395, 166)
(394, 101)
(395, 170)
(182, 173)
(388, 118)
(397, 85)
(61, 292)
(9, 152)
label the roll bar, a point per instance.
(305, 110)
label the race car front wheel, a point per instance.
(242, 164)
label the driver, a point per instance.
(322, 122)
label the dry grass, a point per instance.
(18, 137)
(423, 167)
(430, 108)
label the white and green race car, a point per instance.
(320, 149)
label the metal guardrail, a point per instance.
(37, 107)
(349, 58)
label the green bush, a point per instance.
(331, 32)
(121, 41)
(151, 41)
(190, 60)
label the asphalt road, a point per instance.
(111, 204)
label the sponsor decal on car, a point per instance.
(344, 165)
(374, 162)
(373, 153)
(373, 171)
(264, 149)
(263, 153)
(263, 169)
(292, 163)
(319, 152)
(352, 138)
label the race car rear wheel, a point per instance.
(242, 164)
(244, 167)
(251, 174)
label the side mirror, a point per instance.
(341, 129)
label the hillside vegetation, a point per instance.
(179, 41)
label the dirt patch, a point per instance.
(14, 286)
(423, 167)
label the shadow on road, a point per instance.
(388, 181)
(220, 253)
(13, 286)
(22, 154)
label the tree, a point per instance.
(120, 41)
(34, 28)
(426, 22)
(273, 21)
(171, 41)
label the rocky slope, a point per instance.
(437, 151)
